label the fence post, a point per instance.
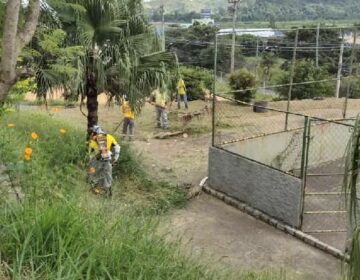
(304, 164)
(291, 78)
(348, 86)
(214, 92)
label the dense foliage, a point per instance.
(197, 80)
(305, 70)
(194, 46)
(241, 81)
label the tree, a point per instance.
(243, 82)
(195, 46)
(16, 35)
(329, 40)
(121, 52)
(196, 81)
(272, 22)
(305, 70)
(267, 62)
(55, 64)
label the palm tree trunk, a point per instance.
(91, 100)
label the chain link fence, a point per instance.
(241, 129)
(308, 148)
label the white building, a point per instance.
(257, 32)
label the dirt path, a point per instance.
(183, 161)
(223, 234)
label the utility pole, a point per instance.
(348, 87)
(292, 73)
(234, 8)
(317, 44)
(162, 12)
(257, 58)
(338, 77)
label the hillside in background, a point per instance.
(186, 6)
(265, 9)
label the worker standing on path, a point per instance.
(104, 151)
(181, 93)
(129, 117)
(160, 98)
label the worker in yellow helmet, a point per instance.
(129, 117)
(104, 150)
(181, 93)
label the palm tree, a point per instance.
(121, 51)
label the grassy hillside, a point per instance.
(185, 6)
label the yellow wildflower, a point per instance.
(34, 135)
(10, 125)
(27, 157)
(28, 151)
(62, 130)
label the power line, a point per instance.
(350, 28)
(286, 85)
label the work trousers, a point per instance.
(161, 117)
(100, 173)
(128, 125)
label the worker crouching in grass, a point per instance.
(104, 151)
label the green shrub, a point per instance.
(305, 70)
(354, 88)
(242, 80)
(196, 80)
(17, 94)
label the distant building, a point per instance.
(205, 13)
(204, 21)
(257, 32)
(185, 25)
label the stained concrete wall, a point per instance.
(271, 191)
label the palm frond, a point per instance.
(350, 185)
(352, 169)
(353, 268)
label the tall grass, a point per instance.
(66, 241)
(59, 161)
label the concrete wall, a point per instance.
(269, 190)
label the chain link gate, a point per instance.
(324, 212)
